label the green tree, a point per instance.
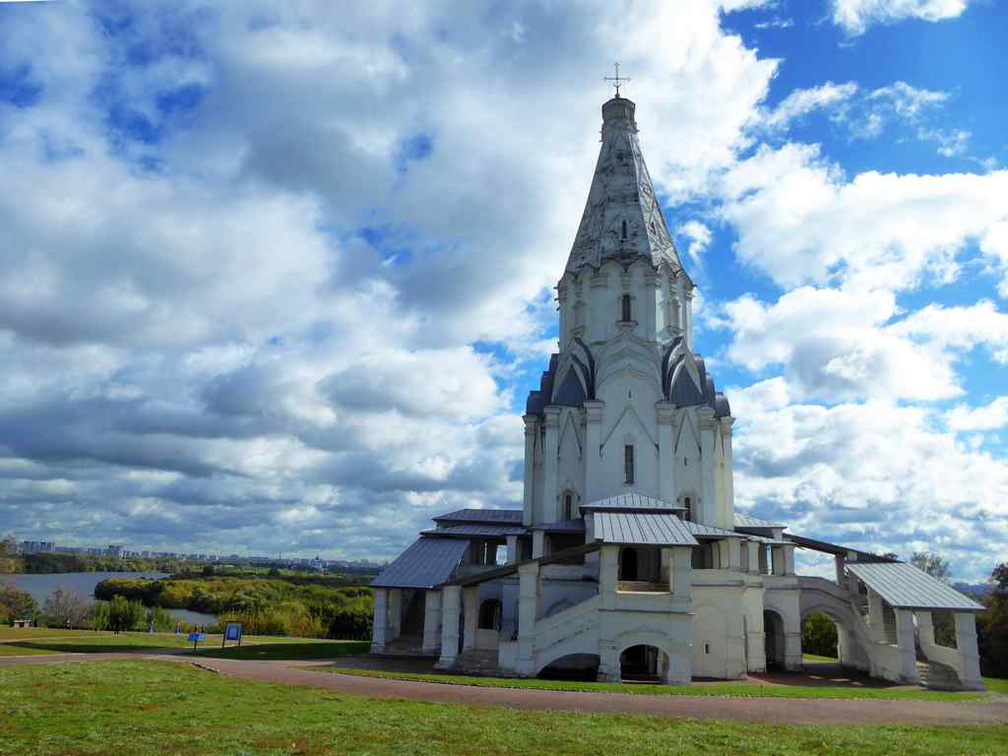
(16, 604)
(819, 635)
(933, 564)
(63, 608)
(992, 625)
(126, 615)
(100, 615)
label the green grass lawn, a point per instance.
(727, 688)
(818, 658)
(996, 685)
(149, 707)
(34, 641)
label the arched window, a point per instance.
(490, 615)
(688, 503)
(626, 311)
(623, 230)
(568, 506)
(628, 464)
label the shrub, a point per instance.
(819, 635)
(64, 608)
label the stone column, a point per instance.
(650, 319)
(754, 555)
(512, 549)
(470, 616)
(840, 561)
(593, 449)
(666, 459)
(708, 503)
(779, 562)
(756, 641)
(734, 554)
(788, 552)
(528, 609)
(682, 572)
(538, 543)
(966, 640)
(792, 648)
(379, 632)
(451, 606)
(925, 630)
(551, 465)
(528, 506)
(609, 575)
(395, 612)
(905, 641)
(432, 622)
(876, 616)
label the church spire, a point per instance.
(622, 219)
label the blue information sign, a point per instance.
(197, 637)
(232, 631)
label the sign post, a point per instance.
(232, 632)
(196, 638)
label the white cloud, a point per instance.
(990, 417)
(875, 476)
(801, 220)
(700, 238)
(801, 102)
(855, 16)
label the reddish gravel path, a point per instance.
(772, 710)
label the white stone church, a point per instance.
(628, 559)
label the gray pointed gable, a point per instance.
(622, 219)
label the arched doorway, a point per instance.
(820, 639)
(643, 663)
(773, 628)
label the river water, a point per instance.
(83, 584)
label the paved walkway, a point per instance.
(771, 710)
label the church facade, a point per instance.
(627, 558)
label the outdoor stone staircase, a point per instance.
(477, 661)
(406, 645)
(937, 676)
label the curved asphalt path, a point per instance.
(818, 711)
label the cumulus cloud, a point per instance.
(248, 251)
(800, 219)
(855, 16)
(875, 475)
(989, 417)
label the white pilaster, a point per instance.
(528, 609)
(708, 505)
(666, 459)
(528, 504)
(551, 465)
(593, 449)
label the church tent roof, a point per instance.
(428, 563)
(903, 586)
(642, 528)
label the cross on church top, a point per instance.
(617, 80)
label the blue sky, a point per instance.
(280, 278)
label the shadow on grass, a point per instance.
(69, 647)
(823, 674)
(288, 651)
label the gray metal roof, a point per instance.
(709, 531)
(634, 502)
(477, 529)
(482, 515)
(426, 564)
(562, 526)
(650, 528)
(748, 521)
(903, 586)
